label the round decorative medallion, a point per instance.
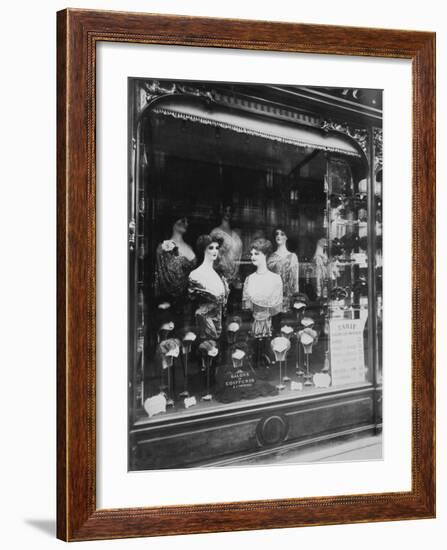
(272, 430)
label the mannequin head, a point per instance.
(280, 236)
(207, 248)
(174, 221)
(321, 246)
(226, 212)
(180, 225)
(260, 250)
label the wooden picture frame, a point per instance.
(78, 32)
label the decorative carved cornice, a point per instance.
(154, 88)
(151, 89)
(360, 135)
(265, 108)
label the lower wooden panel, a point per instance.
(170, 442)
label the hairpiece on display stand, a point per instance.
(240, 356)
(165, 320)
(208, 350)
(307, 322)
(300, 302)
(286, 332)
(234, 325)
(308, 337)
(237, 358)
(187, 341)
(169, 349)
(165, 330)
(280, 346)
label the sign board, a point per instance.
(347, 351)
(236, 384)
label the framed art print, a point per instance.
(245, 276)
(260, 300)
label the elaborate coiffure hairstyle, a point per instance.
(280, 228)
(262, 245)
(219, 208)
(202, 244)
(291, 239)
(169, 217)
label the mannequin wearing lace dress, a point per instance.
(263, 295)
(285, 263)
(209, 290)
(174, 261)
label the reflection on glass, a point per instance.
(277, 302)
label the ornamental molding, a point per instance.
(360, 135)
(378, 149)
(154, 89)
(268, 109)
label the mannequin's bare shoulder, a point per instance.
(195, 274)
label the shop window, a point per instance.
(251, 268)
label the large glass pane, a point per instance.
(346, 308)
(250, 260)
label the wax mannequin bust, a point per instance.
(179, 229)
(205, 274)
(263, 290)
(209, 289)
(174, 261)
(231, 245)
(284, 263)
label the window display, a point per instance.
(256, 256)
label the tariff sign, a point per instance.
(347, 351)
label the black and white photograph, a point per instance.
(254, 274)
(206, 340)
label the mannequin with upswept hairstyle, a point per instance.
(285, 263)
(208, 289)
(263, 292)
(231, 244)
(174, 259)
